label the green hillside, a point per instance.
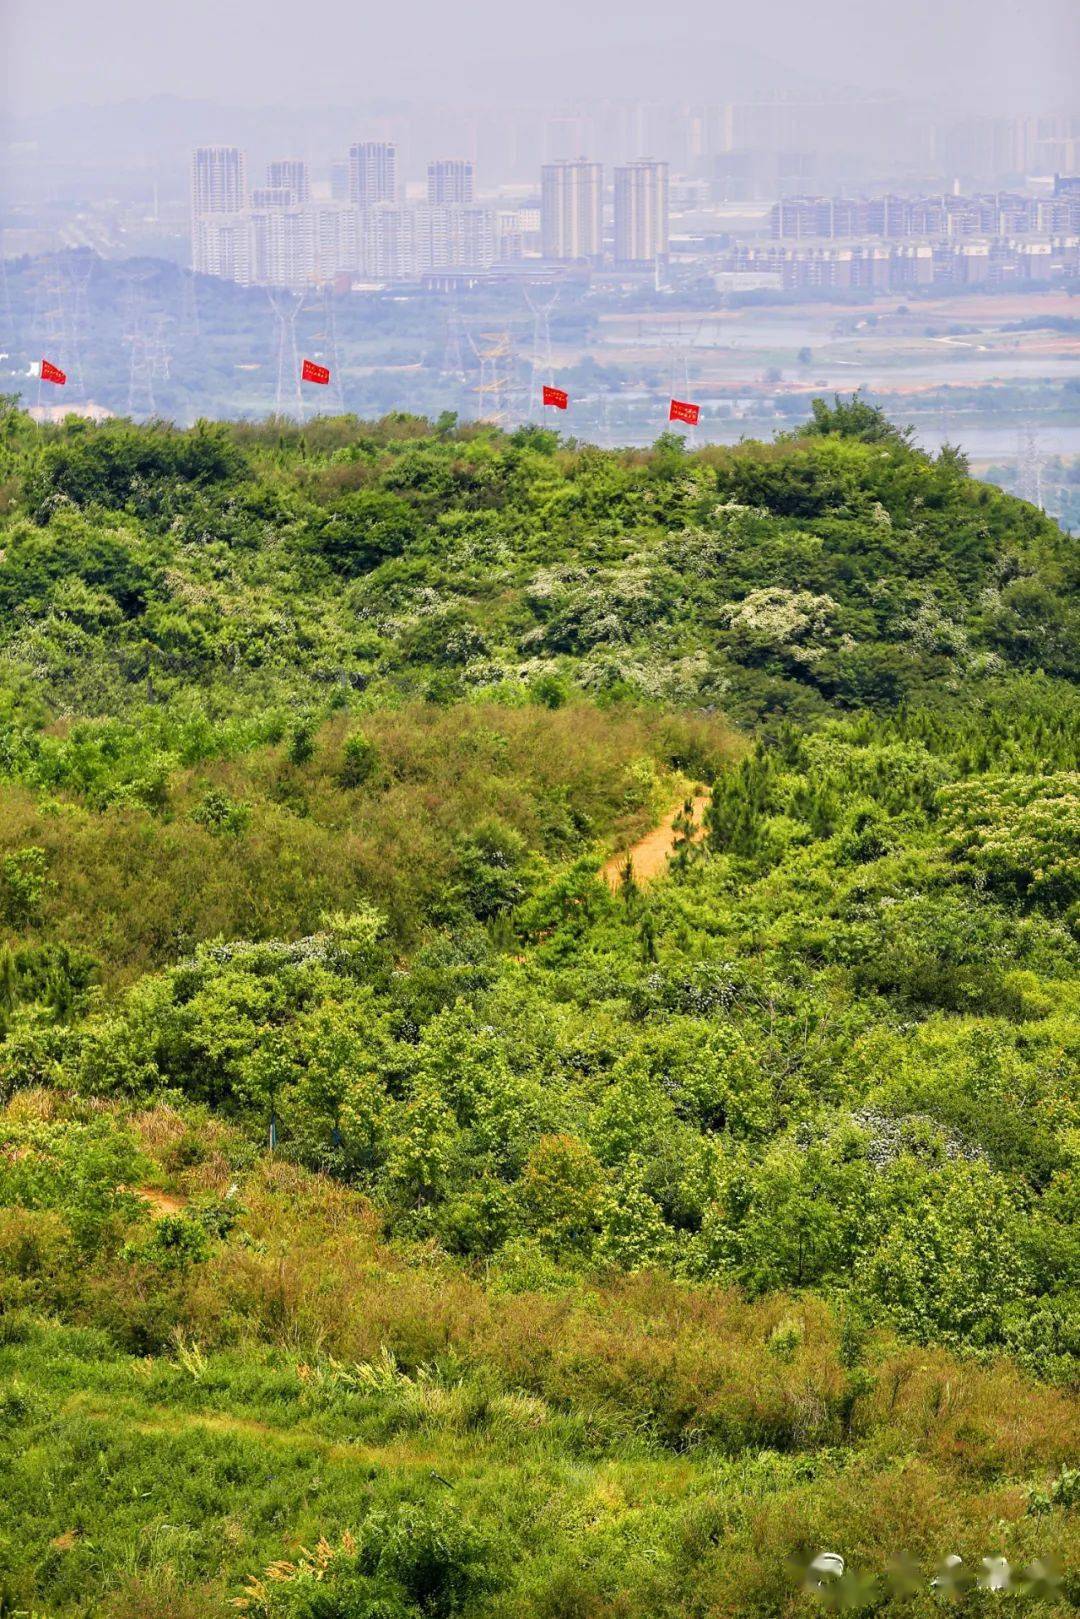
(396, 1217)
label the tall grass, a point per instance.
(136, 887)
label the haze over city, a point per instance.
(988, 54)
(741, 203)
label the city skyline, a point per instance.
(283, 234)
(428, 220)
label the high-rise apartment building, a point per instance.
(292, 247)
(281, 249)
(219, 244)
(641, 212)
(450, 181)
(572, 209)
(272, 197)
(460, 238)
(372, 173)
(218, 180)
(401, 241)
(289, 174)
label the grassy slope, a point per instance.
(135, 887)
(634, 1448)
(179, 1410)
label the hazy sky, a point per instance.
(252, 52)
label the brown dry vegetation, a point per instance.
(135, 887)
(317, 1278)
(668, 1384)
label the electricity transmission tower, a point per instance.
(326, 349)
(605, 419)
(1029, 457)
(145, 333)
(7, 319)
(286, 306)
(50, 324)
(541, 348)
(453, 363)
(140, 399)
(81, 270)
(495, 353)
(679, 348)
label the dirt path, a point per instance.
(650, 855)
(161, 1202)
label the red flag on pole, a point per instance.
(310, 372)
(556, 397)
(52, 373)
(682, 412)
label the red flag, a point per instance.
(52, 373)
(556, 397)
(682, 412)
(310, 372)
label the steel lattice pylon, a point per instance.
(542, 365)
(1029, 457)
(287, 306)
(495, 352)
(326, 350)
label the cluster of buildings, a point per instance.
(892, 242)
(935, 218)
(362, 227)
(895, 266)
(280, 234)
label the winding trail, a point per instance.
(651, 853)
(161, 1202)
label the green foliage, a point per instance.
(854, 418)
(837, 567)
(359, 761)
(1019, 836)
(79, 1169)
(301, 745)
(492, 871)
(23, 877)
(399, 1217)
(414, 1561)
(173, 1244)
(222, 814)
